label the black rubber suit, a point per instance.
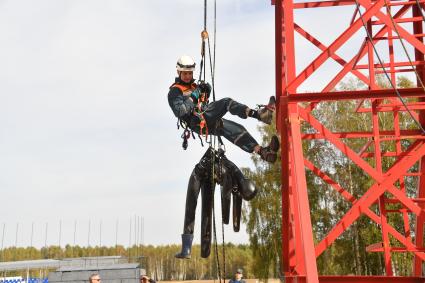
(183, 107)
(233, 183)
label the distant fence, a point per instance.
(24, 280)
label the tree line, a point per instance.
(159, 261)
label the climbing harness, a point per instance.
(187, 132)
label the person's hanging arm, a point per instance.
(181, 105)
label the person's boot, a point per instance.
(186, 246)
(265, 113)
(268, 153)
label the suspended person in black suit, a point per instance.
(189, 102)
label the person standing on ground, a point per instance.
(95, 278)
(238, 277)
(145, 279)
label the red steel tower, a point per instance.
(383, 24)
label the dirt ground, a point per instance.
(227, 280)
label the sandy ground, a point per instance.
(227, 280)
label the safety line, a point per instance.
(385, 71)
(402, 44)
(212, 61)
(215, 242)
(205, 14)
(420, 10)
(213, 141)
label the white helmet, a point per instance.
(185, 63)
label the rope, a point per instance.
(212, 62)
(202, 65)
(212, 66)
(213, 141)
(420, 10)
(369, 36)
(402, 44)
(215, 244)
(223, 243)
(205, 14)
(215, 43)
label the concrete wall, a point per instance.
(92, 261)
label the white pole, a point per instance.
(16, 241)
(129, 240)
(88, 236)
(116, 237)
(2, 241)
(60, 232)
(45, 239)
(75, 230)
(32, 233)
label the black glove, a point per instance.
(205, 88)
(195, 95)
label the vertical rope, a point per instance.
(205, 14)
(223, 246)
(403, 45)
(215, 245)
(212, 62)
(213, 141)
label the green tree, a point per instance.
(262, 214)
(348, 254)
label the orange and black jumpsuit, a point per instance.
(183, 108)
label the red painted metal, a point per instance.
(420, 220)
(350, 95)
(318, 4)
(295, 108)
(362, 51)
(322, 47)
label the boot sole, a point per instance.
(274, 144)
(271, 158)
(182, 257)
(266, 117)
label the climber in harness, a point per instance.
(189, 102)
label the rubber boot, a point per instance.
(265, 113)
(186, 246)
